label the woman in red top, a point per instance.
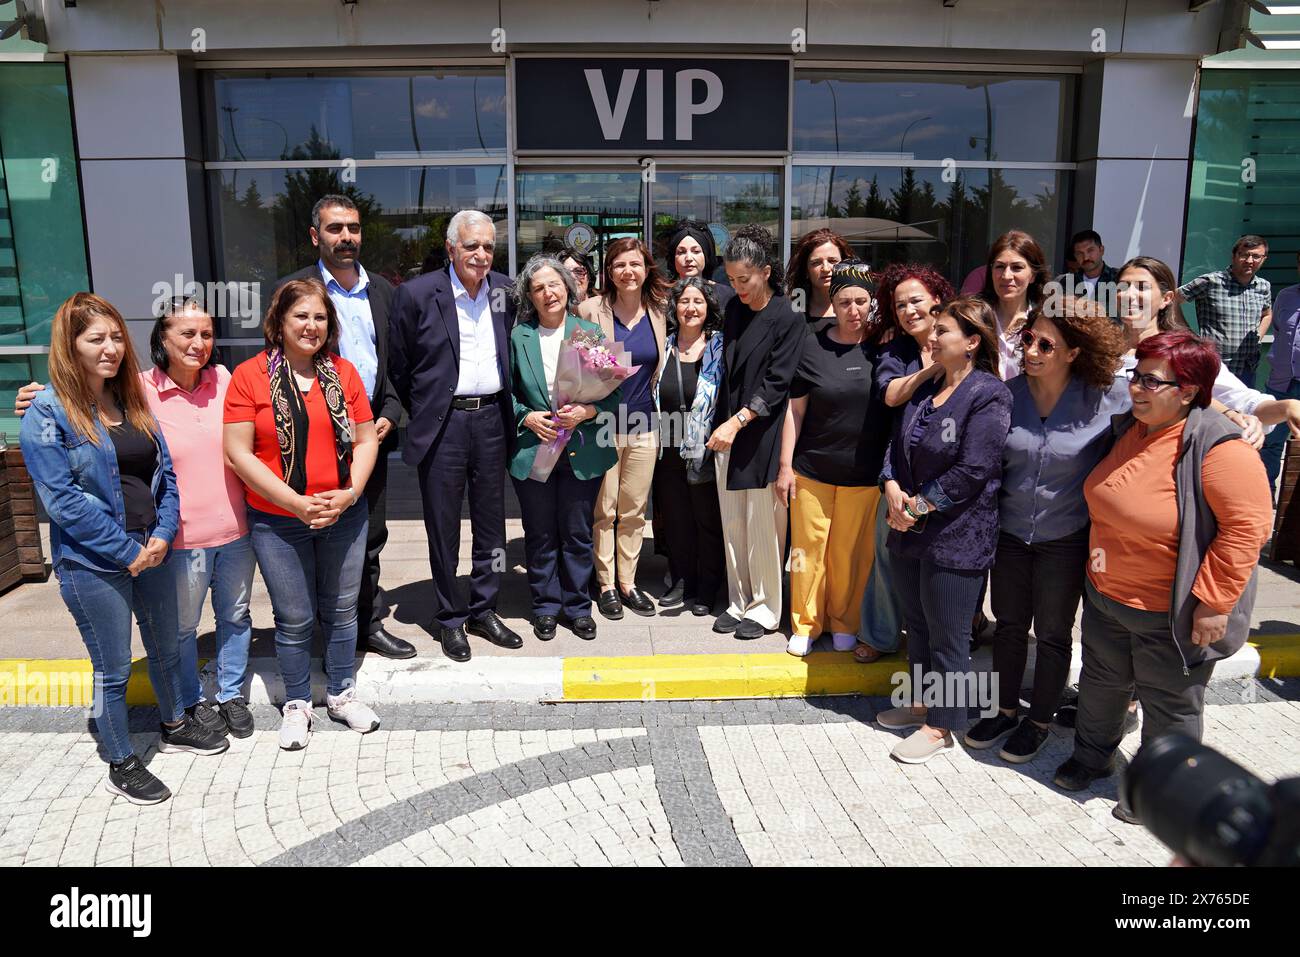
(300, 434)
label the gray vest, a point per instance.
(1197, 528)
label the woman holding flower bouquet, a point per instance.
(557, 500)
(629, 311)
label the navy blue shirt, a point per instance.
(1045, 462)
(637, 413)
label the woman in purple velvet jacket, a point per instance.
(941, 479)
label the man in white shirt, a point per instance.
(449, 364)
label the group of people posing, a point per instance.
(907, 441)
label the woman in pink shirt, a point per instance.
(186, 391)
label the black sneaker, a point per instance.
(726, 623)
(192, 737)
(748, 629)
(132, 780)
(1076, 776)
(207, 717)
(238, 718)
(988, 731)
(1026, 741)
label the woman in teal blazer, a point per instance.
(558, 512)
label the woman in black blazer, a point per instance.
(762, 344)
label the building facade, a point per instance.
(919, 129)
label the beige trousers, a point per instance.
(753, 542)
(619, 522)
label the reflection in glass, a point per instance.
(727, 199)
(549, 202)
(362, 114)
(262, 216)
(898, 214)
(935, 116)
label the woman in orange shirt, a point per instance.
(300, 434)
(1166, 598)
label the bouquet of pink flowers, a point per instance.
(589, 368)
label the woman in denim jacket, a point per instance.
(100, 464)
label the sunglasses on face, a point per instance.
(1149, 382)
(1045, 346)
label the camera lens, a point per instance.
(1198, 803)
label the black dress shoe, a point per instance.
(544, 627)
(454, 643)
(749, 629)
(491, 627)
(726, 623)
(1075, 776)
(639, 602)
(389, 646)
(584, 627)
(699, 609)
(610, 605)
(674, 596)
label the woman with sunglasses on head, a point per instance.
(808, 275)
(1179, 510)
(300, 434)
(908, 299)
(212, 552)
(692, 254)
(1060, 428)
(1013, 286)
(941, 479)
(101, 465)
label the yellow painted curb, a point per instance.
(1279, 655)
(669, 677)
(64, 683)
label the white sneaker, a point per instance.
(347, 708)
(843, 641)
(296, 726)
(800, 645)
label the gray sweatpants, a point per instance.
(1125, 647)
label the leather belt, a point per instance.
(473, 403)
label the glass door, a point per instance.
(586, 208)
(723, 199)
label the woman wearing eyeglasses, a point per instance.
(1060, 428)
(580, 268)
(1179, 510)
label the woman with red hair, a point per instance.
(808, 274)
(1179, 510)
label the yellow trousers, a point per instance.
(832, 546)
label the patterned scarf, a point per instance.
(292, 424)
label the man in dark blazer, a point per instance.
(363, 301)
(449, 362)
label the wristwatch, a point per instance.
(742, 417)
(922, 507)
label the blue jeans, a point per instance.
(226, 571)
(1275, 441)
(881, 617)
(310, 573)
(102, 604)
(938, 605)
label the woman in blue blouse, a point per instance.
(100, 464)
(941, 481)
(1060, 428)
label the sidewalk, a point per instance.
(670, 655)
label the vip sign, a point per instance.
(570, 104)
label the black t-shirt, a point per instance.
(676, 396)
(844, 433)
(137, 460)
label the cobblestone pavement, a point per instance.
(753, 782)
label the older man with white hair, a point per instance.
(449, 362)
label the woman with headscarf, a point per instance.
(692, 252)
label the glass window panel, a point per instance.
(900, 214)
(262, 217)
(548, 202)
(358, 114)
(936, 116)
(725, 200)
(16, 372)
(42, 243)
